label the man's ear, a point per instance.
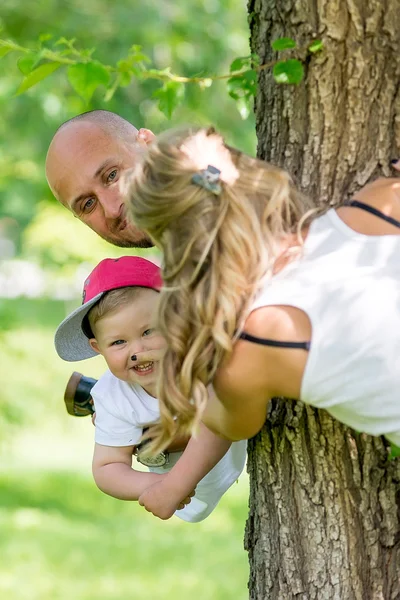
(146, 136)
(94, 345)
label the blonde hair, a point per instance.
(217, 249)
(109, 303)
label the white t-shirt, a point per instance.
(348, 284)
(124, 409)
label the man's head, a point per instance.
(85, 161)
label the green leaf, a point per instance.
(244, 62)
(316, 46)
(394, 452)
(127, 70)
(86, 77)
(243, 86)
(44, 37)
(288, 71)
(236, 87)
(169, 97)
(125, 78)
(26, 63)
(65, 42)
(250, 77)
(4, 51)
(283, 44)
(86, 53)
(139, 57)
(37, 75)
(239, 63)
(245, 107)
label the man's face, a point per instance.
(84, 167)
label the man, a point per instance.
(85, 161)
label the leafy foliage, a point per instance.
(288, 71)
(283, 44)
(170, 95)
(315, 46)
(37, 75)
(86, 74)
(85, 78)
(242, 85)
(394, 452)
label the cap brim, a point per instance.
(70, 341)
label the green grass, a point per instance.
(32, 311)
(60, 537)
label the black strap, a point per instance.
(274, 343)
(373, 211)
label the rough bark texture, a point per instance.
(324, 517)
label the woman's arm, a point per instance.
(238, 417)
(202, 453)
(113, 473)
(253, 373)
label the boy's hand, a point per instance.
(162, 501)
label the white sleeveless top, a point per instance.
(348, 284)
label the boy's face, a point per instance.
(130, 331)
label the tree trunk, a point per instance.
(324, 517)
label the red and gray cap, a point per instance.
(110, 274)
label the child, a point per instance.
(116, 320)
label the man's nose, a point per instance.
(111, 204)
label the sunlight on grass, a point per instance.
(61, 539)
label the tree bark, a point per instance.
(324, 518)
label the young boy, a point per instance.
(116, 320)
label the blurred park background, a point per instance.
(60, 538)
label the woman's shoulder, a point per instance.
(255, 368)
(284, 323)
(383, 195)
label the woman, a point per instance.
(265, 298)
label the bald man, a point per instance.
(85, 161)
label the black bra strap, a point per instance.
(274, 343)
(373, 211)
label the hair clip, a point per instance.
(209, 180)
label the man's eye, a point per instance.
(88, 205)
(118, 343)
(148, 331)
(112, 176)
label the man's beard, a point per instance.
(128, 237)
(144, 242)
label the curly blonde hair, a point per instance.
(217, 249)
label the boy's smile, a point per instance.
(145, 368)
